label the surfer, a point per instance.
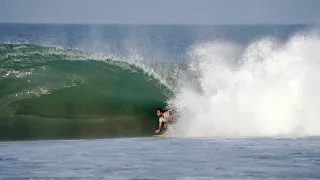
(164, 119)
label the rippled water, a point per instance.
(161, 158)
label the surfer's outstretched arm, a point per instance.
(159, 128)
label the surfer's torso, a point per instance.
(165, 117)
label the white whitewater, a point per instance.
(269, 88)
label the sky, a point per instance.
(161, 11)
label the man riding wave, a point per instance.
(164, 119)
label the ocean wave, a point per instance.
(53, 84)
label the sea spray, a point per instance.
(271, 90)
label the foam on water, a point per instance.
(270, 89)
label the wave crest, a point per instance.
(270, 89)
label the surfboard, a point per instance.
(160, 135)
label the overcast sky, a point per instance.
(161, 11)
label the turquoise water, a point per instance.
(57, 93)
(97, 81)
(84, 96)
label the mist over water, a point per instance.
(268, 88)
(107, 81)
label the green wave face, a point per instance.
(56, 93)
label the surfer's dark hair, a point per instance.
(160, 109)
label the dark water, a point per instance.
(61, 93)
(91, 83)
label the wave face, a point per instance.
(269, 88)
(55, 93)
(235, 81)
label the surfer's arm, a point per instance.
(159, 127)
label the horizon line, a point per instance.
(153, 24)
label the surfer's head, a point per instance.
(159, 112)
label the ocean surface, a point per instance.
(79, 101)
(162, 158)
(98, 81)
